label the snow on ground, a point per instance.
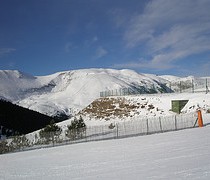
(181, 154)
(160, 102)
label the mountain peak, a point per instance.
(68, 92)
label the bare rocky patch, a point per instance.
(106, 108)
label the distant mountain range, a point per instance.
(66, 93)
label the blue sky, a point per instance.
(41, 37)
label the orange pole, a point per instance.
(200, 119)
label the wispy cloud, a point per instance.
(68, 47)
(95, 39)
(144, 64)
(205, 68)
(119, 17)
(170, 31)
(100, 52)
(4, 51)
(11, 64)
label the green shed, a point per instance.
(177, 105)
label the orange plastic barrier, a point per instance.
(200, 119)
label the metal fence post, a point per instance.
(206, 86)
(161, 129)
(192, 86)
(117, 133)
(175, 122)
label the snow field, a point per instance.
(181, 154)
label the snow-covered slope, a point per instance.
(133, 107)
(174, 155)
(70, 91)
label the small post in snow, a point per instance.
(161, 129)
(175, 123)
(147, 126)
(117, 130)
(200, 119)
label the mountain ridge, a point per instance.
(68, 92)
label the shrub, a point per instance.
(77, 129)
(50, 133)
(19, 142)
(111, 126)
(4, 147)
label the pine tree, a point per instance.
(77, 129)
(50, 133)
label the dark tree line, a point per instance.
(18, 120)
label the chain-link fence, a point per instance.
(192, 86)
(134, 127)
(195, 85)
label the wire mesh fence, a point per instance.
(192, 86)
(134, 127)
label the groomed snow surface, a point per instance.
(183, 154)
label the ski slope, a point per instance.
(174, 155)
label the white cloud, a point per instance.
(6, 50)
(100, 52)
(145, 64)
(91, 42)
(170, 31)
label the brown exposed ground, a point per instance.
(117, 107)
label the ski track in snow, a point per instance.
(177, 155)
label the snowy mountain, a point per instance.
(69, 92)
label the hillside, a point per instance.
(124, 108)
(18, 120)
(66, 93)
(70, 91)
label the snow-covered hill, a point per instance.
(70, 91)
(134, 107)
